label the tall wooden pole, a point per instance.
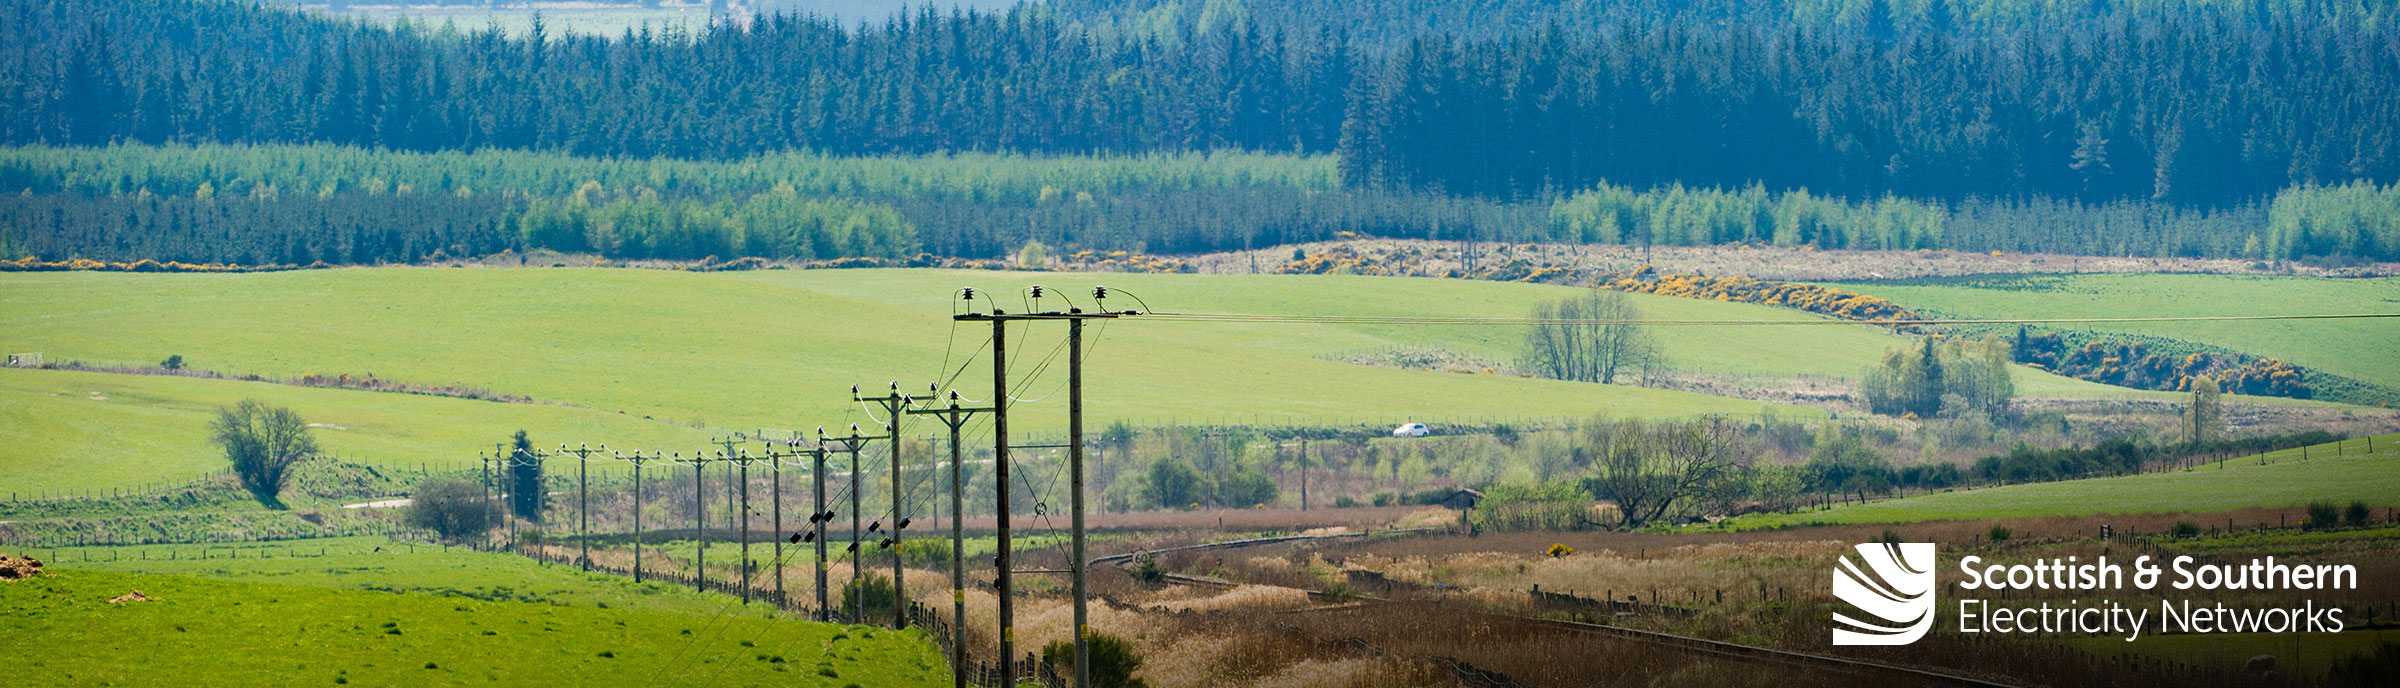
(899, 517)
(744, 461)
(1008, 611)
(583, 505)
(956, 418)
(637, 517)
(775, 485)
(958, 564)
(824, 613)
(1083, 652)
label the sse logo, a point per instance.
(1898, 594)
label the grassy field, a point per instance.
(71, 431)
(2283, 478)
(380, 564)
(779, 349)
(211, 632)
(2359, 349)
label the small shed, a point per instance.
(1462, 500)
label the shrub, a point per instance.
(1246, 488)
(1113, 660)
(2356, 515)
(868, 597)
(173, 362)
(1146, 568)
(2001, 533)
(2185, 529)
(2323, 515)
(453, 508)
(925, 552)
(1544, 506)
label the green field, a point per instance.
(2277, 479)
(72, 431)
(2361, 349)
(381, 564)
(779, 350)
(210, 632)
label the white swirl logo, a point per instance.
(1898, 595)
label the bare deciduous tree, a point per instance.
(263, 441)
(1588, 351)
(453, 508)
(1649, 469)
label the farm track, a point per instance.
(1750, 653)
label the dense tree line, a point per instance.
(2190, 103)
(2192, 106)
(2120, 456)
(89, 72)
(267, 226)
(1393, 23)
(319, 202)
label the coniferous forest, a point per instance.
(2267, 129)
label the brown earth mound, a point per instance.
(135, 596)
(13, 568)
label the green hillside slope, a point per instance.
(2278, 479)
(204, 632)
(75, 431)
(780, 349)
(2361, 349)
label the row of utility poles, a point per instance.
(895, 406)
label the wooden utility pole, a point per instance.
(637, 516)
(1000, 460)
(954, 417)
(742, 459)
(775, 485)
(819, 517)
(583, 499)
(699, 524)
(1077, 562)
(895, 405)
(725, 455)
(858, 568)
